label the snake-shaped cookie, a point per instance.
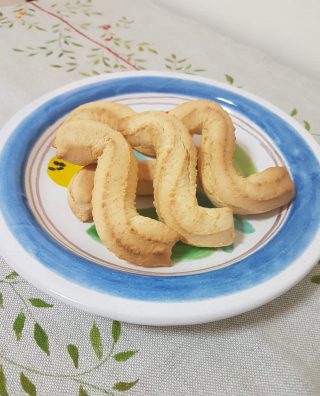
(137, 239)
(257, 193)
(175, 179)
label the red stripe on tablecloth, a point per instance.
(115, 54)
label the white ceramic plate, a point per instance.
(47, 245)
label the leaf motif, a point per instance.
(74, 354)
(41, 338)
(229, 79)
(82, 392)
(95, 339)
(243, 225)
(181, 251)
(116, 331)
(18, 325)
(294, 112)
(315, 279)
(12, 275)
(3, 383)
(39, 303)
(1, 300)
(124, 386)
(124, 356)
(306, 125)
(228, 249)
(27, 385)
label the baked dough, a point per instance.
(108, 113)
(137, 239)
(80, 193)
(81, 186)
(175, 179)
(257, 193)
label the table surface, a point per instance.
(49, 348)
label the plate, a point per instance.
(45, 244)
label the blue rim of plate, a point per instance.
(287, 245)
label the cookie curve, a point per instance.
(257, 193)
(79, 193)
(106, 112)
(175, 179)
(126, 233)
(81, 185)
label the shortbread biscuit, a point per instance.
(80, 193)
(108, 113)
(175, 179)
(137, 239)
(81, 186)
(258, 193)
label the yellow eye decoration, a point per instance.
(60, 171)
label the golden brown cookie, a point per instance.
(175, 179)
(80, 193)
(81, 186)
(137, 239)
(108, 113)
(258, 193)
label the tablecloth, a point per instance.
(49, 348)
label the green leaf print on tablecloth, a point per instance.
(1, 300)
(3, 383)
(41, 338)
(18, 325)
(74, 354)
(116, 331)
(39, 303)
(27, 385)
(103, 48)
(316, 279)
(124, 356)
(124, 386)
(95, 339)
(104, 352)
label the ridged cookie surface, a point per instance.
(134, 238)
(258, 193)
(175, 179)
(81, 186)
